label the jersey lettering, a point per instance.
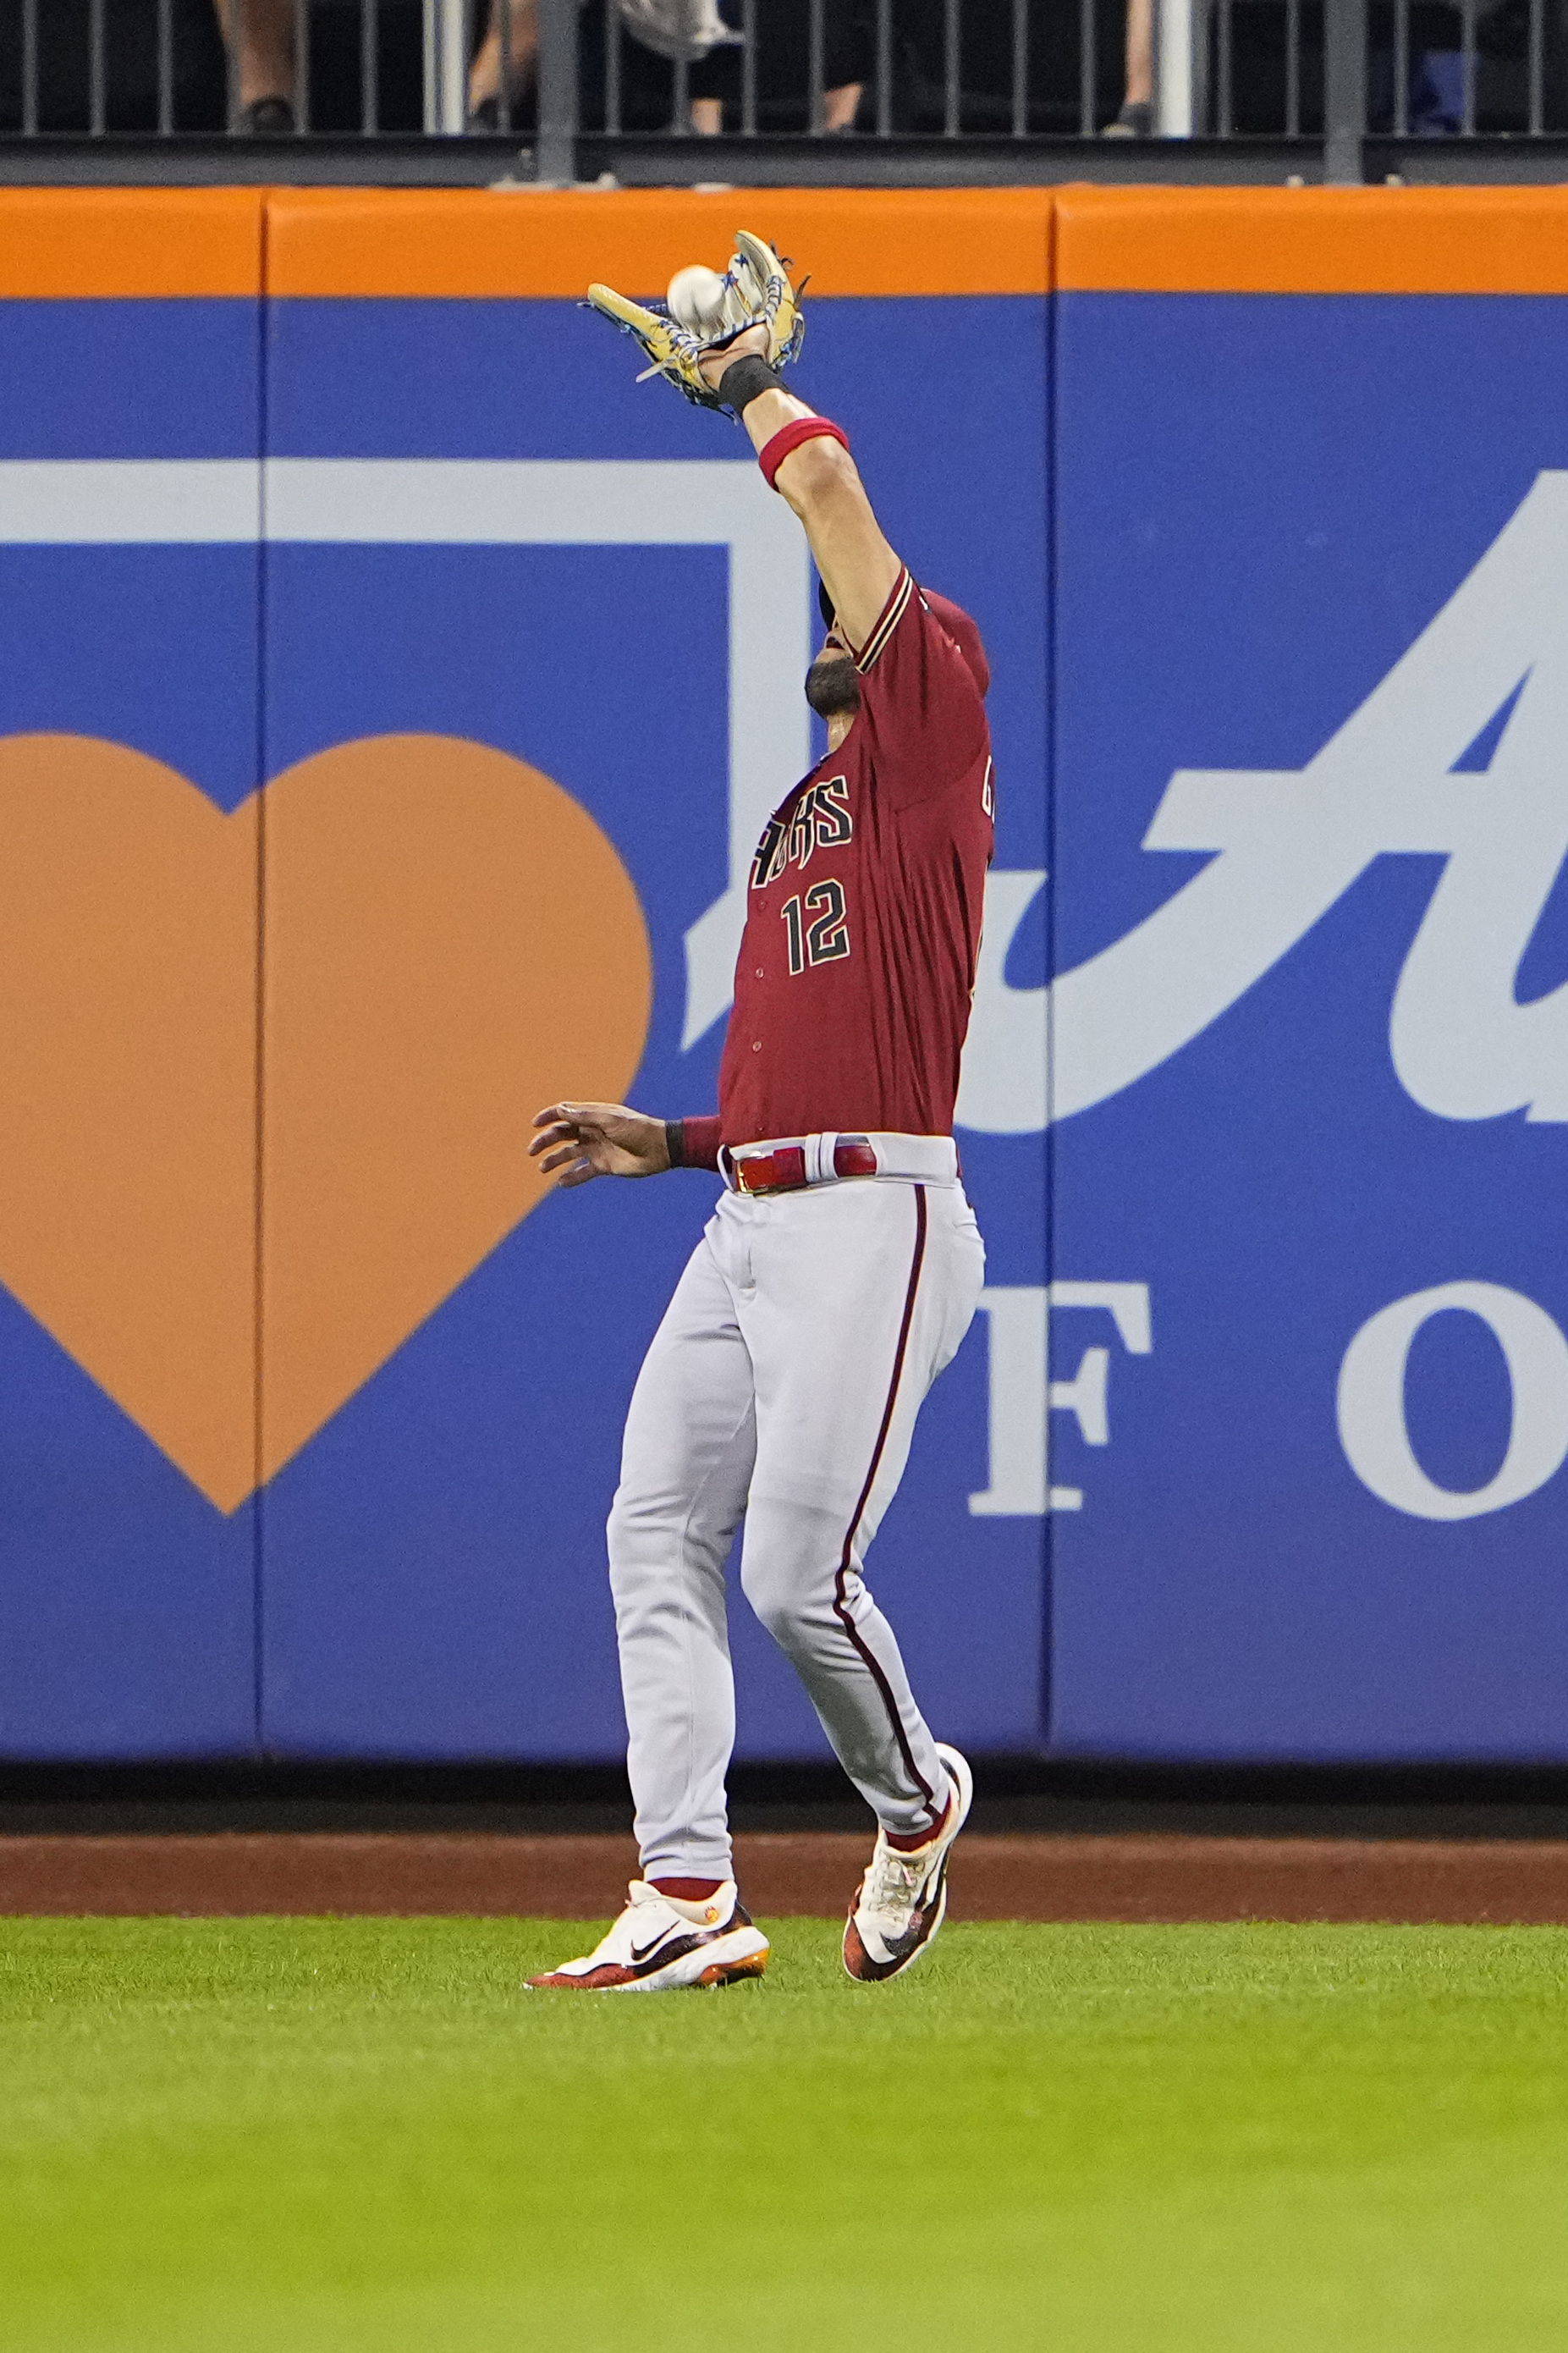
(768, 865)
(820, 820)
(835, 825)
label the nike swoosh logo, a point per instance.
(641, 1952)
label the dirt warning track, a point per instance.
(1155, 1876)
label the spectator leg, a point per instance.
(1139, 52)
(484, 74)
(259, 38)
(838, 108)
(714, 81)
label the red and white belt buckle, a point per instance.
(783, 1170)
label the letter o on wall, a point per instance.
(1371, 1401)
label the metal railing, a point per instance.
(828, 90)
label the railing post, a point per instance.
(1344, 91)
(1175, 60)
(556, 153)
(446, 67)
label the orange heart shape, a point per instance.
(267, 1079)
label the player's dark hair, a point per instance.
(832, 684)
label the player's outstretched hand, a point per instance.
(588, 1140)
(750, 341)
(754, 294)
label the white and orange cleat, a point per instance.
(660, 1944)
(902, 1900)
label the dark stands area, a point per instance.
(647, 82)
(1255, 77)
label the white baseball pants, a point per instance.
(782, 1387)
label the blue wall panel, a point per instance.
(1262, 505)
(127, 1599)
(1306, 557)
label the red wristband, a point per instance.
(699, 1142)
(772, 454)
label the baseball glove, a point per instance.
(757, 293)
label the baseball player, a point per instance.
(842, 1265)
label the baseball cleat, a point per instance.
(902, 1900)
(660, 1944)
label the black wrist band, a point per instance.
(743, 379)
(675, 1142)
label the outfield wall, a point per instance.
(393, 693)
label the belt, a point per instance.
(783, 1169)
(798, 1162)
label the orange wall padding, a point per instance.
(510, 243)
(105, 242)
(518, 242)
(1313, 240)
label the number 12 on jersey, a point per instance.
(824, 940)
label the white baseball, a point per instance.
(696, 299)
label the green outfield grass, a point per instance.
(275, 2137)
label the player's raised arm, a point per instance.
(819, 478)
(722, 342)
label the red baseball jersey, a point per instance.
(852, 991)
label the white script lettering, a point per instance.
(1289, 843)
